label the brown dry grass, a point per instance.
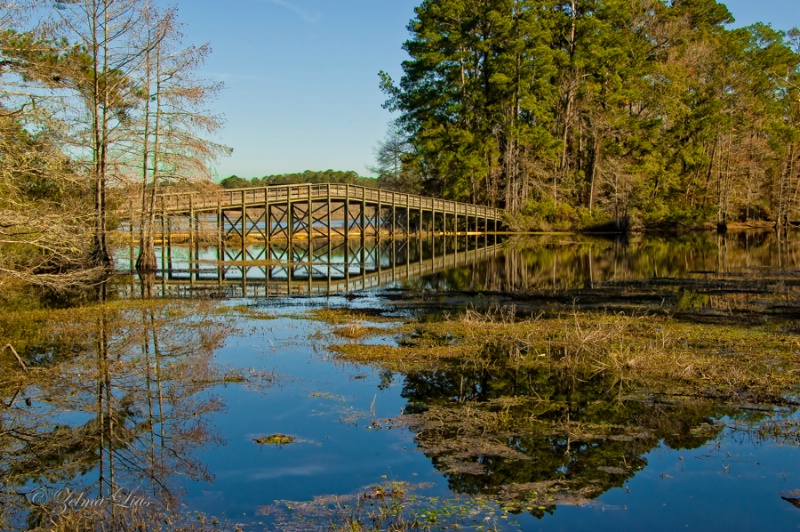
(653, 353)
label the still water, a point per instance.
(160, 404)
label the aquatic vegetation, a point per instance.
(357, 331)
(347, 316)
(354, 325)
(388, 505)
(250, 312)
(653, 353)
(552, 409)
(275, 439)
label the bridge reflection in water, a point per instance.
(302, 268)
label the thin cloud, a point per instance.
(312, 17)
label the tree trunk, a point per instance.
(595, 172)
(571, 83)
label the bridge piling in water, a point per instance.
(294, 268)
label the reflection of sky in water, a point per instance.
(325, 405)
(732, 482)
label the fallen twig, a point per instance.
(14, 351)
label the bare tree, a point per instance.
(104, 35)
(174, 120)
(43, 216)
(389, 158)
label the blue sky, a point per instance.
(301, 76)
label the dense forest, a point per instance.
(309, 176)
(577, 112)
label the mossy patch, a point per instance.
(397, 358)
(275, 439)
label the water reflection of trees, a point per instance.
(565, 262)
(113, 400)
(537, 438)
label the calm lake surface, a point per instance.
(231, 352)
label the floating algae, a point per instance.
(274, 439)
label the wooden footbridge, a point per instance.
(308, 211)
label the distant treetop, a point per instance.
(309, 176)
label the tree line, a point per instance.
(583, 111)
(97, 96)
(309, 176)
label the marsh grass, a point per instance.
(653, 353)
(556, 408)
(115, 518)
(353, 325)
(358, 330)
(345, 316)
(388, 505)
(250, 312)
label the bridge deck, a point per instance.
(180, 203)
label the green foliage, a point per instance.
(309, 176)
(594, 219)
(651, 108)
(677, 217)
(547, 215)
(235, 181)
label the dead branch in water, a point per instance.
(16, 355)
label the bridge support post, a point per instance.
(408, 218)
(346, 212)
(244, 228)
(378, 218)
(363, 220)
(289, 221)
(329, 222)
(220, 249)
(267, 222)
(192, 229)
(163, 238)
(394, 216)
(310, 216)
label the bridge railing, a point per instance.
(181, 202)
